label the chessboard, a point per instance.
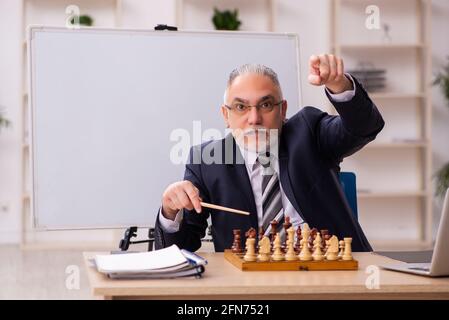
(237, 260)
(290, 250)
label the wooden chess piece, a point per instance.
(347, 255)
(250, 254)
(305, 231)
(317, 253)
(305, 254)
(287, 224)
(332, 251)
(341, 245)
(277, 254)
(273, 232)
(312, 237)
(264, 249)
(237, 244)
(325, 236)
(291, 254)
(251, 233)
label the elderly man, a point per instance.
(295, 175)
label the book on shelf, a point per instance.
(170, 262)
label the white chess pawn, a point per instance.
(317, 253)
(250, 250)
(277, 254)
(291, 255)
(305, 254)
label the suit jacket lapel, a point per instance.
(285, 178)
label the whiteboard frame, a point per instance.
(32, 29)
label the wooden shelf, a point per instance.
(402, 145)
(270, 7)
(396, 95)
(407, 65)
(369, 1)
(380, 46)
(390, 194)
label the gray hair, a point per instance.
(253, 69)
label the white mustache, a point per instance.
(253, 131)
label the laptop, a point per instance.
(439, 265)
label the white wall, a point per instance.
(10, 139)
(310, 19)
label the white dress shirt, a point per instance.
(255, 176)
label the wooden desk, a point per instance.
(222, 280)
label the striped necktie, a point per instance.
(271, 196)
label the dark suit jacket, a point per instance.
(311, 147)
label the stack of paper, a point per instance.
(169, 262)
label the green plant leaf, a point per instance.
(5, 123)
(84, 20)
(442, 79)
(442, 183)
(442, 175)
(226, 19)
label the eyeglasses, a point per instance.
(241, 108)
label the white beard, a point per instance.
(258, 140)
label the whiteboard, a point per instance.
(104, 103)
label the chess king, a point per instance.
(271, 166)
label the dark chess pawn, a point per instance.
(251, 233)
(273, 231)
(237, 244)
(325, 236)
(287, 224)
(313, 233)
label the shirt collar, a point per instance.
(250, 158)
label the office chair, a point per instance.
(348, 184)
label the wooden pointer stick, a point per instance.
(214, 206)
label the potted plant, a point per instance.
(84, 20)
(442, 175)
(226, 20)
(4, 123)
